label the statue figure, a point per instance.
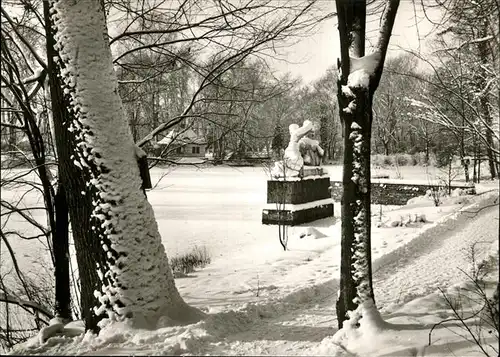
(300, 151)
(310, 150)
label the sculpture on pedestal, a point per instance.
(301, 151)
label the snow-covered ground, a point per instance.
(261, 300)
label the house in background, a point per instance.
(184, 143)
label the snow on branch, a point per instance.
(388, 19)
(10, 299)
(387, 24)
(469, 42)
(37, 76)
(362, 69)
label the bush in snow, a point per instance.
(406, 221)
(403, 160)
(198, 257)
(436, 195)
(419, 158)
(380, 160)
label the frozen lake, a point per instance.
(218, 207)
(221, 207)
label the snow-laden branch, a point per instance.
(467, 43)
(441, 85)
(36, 307)
(8, 125)
(388, 19)
(37, 76)
(437, 116)
(387, 23)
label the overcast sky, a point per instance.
(312, 56)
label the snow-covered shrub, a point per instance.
(458, 200)
(444, 158)
(382, 160)
(198, 257)
(403, 160)
(420, 159)
(387, 160)
(436, 195)
(457, 192)
(408, 220)
(377, 160)
(418, 200)
(439, 196)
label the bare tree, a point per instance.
(23, 74)
(73, 188)
(450, 98)
(211, 39)
(473, 28)
(137, 282)
(359, 78)
(174, 41)
(390, 107)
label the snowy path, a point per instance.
(434, 262)
(413, 270)
(296, 322)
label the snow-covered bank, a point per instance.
(266, 301)
(450, 321)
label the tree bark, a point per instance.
(466, 170)
(479, 168)
(136, 282)
(386, 147)
(61, 255)
(485, 104)
(355, 107)
(356, 205)
(73, 179)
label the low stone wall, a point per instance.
(395, 193)
(292, 218)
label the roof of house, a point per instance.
(184, 137)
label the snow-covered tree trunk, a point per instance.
(73, 179)
(356, 277)
(358, 79)
(137, 282)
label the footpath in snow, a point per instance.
(272, 316)
(432, 260)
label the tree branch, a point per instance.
(344, 39)
(26, 43)
(25, 304)
(388, 19)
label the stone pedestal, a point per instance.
(298, 200)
